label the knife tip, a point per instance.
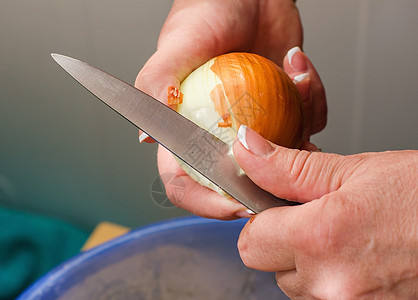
(55, 56)
(62, 59)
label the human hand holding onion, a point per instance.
(228, 26)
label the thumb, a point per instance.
(291, 174)
(168, 67)
(154, 79)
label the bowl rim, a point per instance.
(52, 276)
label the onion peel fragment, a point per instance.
(174, 96)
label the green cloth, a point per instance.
(31, 245)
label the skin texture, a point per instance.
(355, 237)
(198, 30)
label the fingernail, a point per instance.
(300, 78)
(242, 132)
(249, 211)
(291, 52)
(245, 213)
(254, 142)
(296, 59)
(142, 137)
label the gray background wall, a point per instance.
(63, 153)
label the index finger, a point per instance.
(273, 240)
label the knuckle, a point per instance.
(291, 285)
(298, 166)
(245, 249)
(175, 188)
(339, 286)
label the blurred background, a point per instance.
(64, 154)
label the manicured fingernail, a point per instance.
(245, 213)
(300, 78)
(142, 137)
(297, 60)
(291, 52)
(242, 132)
(254, 142)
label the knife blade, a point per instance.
(198, 148)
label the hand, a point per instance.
(196, 31)
(355, 237)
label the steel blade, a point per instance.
(195, 146)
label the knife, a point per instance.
(198, 148)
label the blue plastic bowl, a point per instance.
(186, 258)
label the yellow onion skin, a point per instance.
(243, 88)
(253, 90)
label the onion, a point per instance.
(241, 88)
